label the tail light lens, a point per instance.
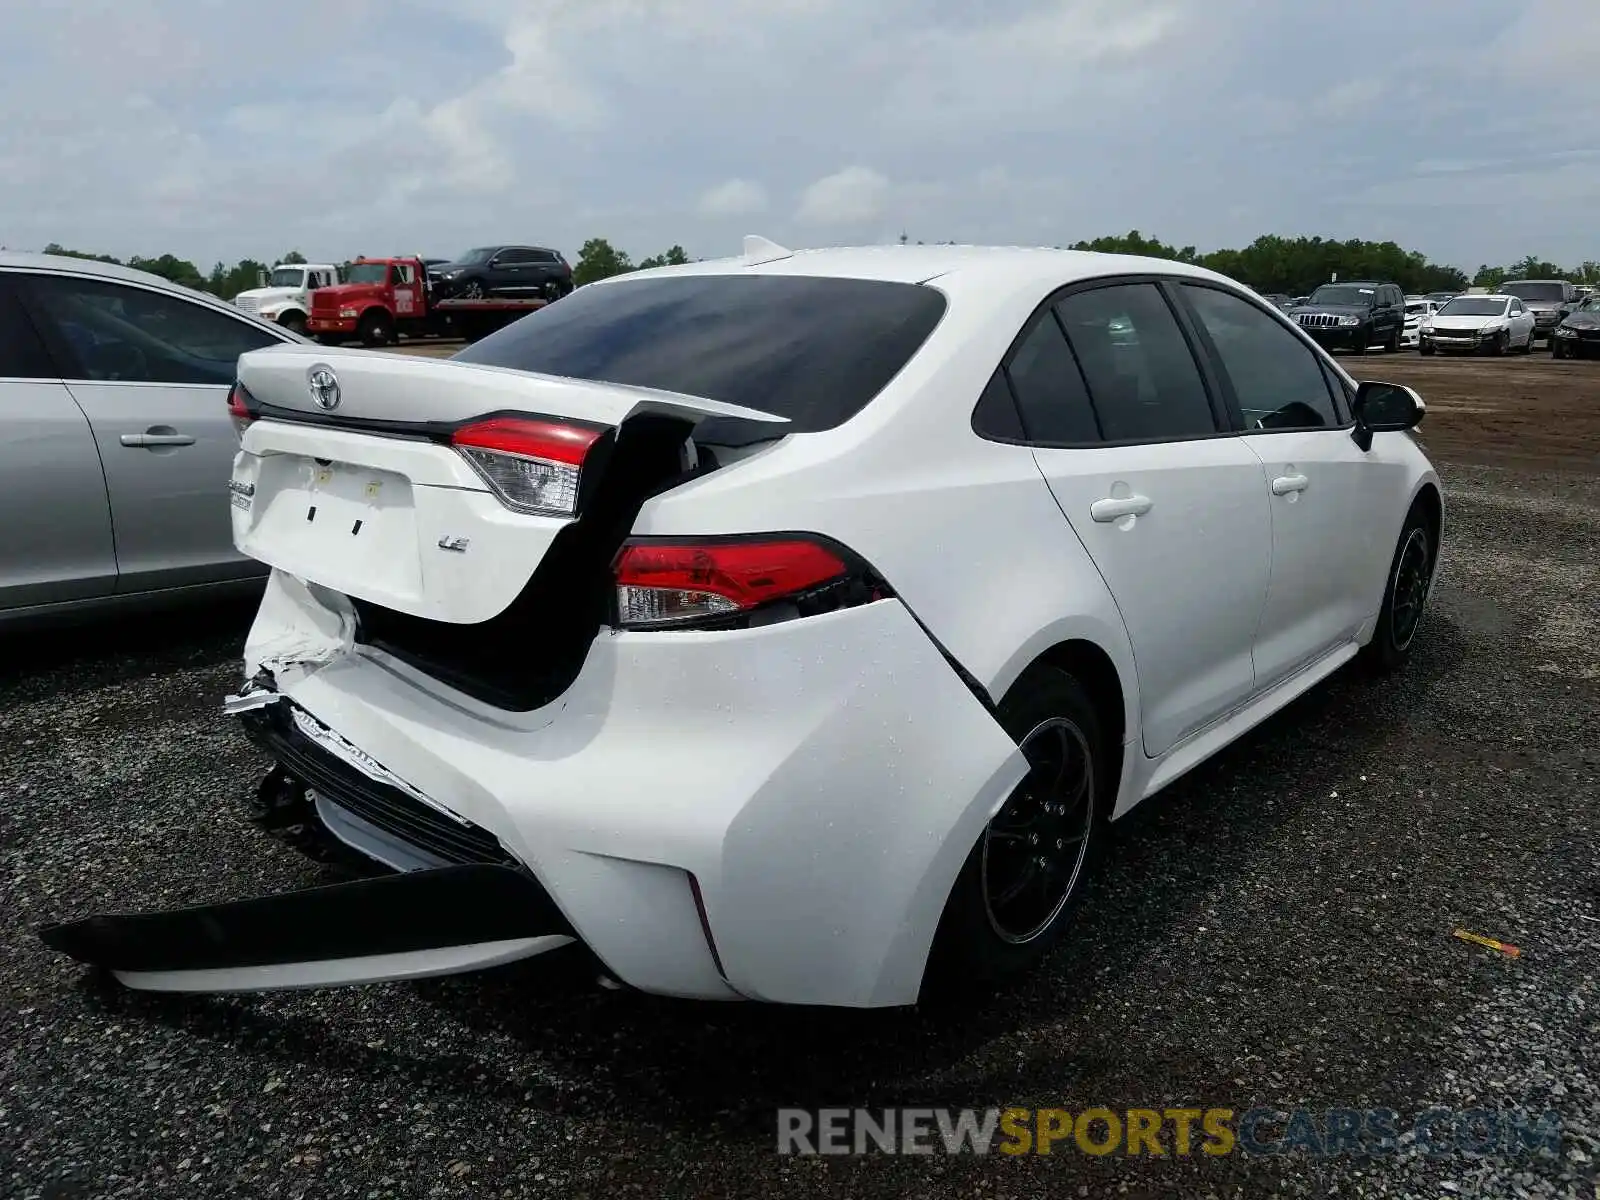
(532, 465)
(723, 583)
(241, 407)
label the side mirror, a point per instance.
(1384, 408)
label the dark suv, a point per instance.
(1354, 315)
(516, 272)
(1549, 300)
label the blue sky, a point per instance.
(215, 129)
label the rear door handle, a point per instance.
(157, 439)
(1114, 508)
(1284, 484)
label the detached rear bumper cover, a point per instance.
(408, 926)
(777, 813)
(815, 784)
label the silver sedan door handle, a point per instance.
(1284, 484)
(157, 439)
(1114, 508)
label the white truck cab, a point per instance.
(285, 295)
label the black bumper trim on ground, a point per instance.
(390, 914)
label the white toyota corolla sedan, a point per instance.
(785, 627)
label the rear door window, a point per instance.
(1050, 392)
(815, 350)
(1141, 374)
(116, 333)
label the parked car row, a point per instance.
(1357, 315)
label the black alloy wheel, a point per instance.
(1035, 846)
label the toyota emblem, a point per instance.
(324, 386)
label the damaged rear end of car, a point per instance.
(472, 670)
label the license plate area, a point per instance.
(339, 517)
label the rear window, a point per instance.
(1535, 291)
(814, 350)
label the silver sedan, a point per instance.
(115, 438)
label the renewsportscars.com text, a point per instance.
(1171, 1132)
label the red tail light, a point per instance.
(240, 407)
(532, 465)
(668, 584)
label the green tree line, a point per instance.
(1270, 264)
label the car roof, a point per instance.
(66, 264)
(9, 260)
(955, 267)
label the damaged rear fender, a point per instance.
(299, 628)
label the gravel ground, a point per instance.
(1274, 930)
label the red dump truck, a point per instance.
(384, 299)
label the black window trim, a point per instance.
(1235, 412)
(1232, 418)
(12, 288)
(1225, 421)
(62, 354)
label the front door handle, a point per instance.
(157, 439)
(1284, 484)
(1114, 508)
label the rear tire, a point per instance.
(1020, 881)
(1392, 346)
(376, 329)
(1405, 595)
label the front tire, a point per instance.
(376, 329)
(1425, 347)
(294, 322)
(1011, 899)
(1404, 596)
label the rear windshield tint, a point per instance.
(814, 350)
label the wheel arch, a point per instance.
(1431, 503)
(1115, 698)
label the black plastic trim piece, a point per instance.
(389, 914)
(387, 807)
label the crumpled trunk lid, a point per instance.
(355, 485)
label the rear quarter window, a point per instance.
(815, 350)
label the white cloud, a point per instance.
(1349, 97)
(217, 131)
(735, 198)
(853, 196)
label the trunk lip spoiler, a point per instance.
(645, 400)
